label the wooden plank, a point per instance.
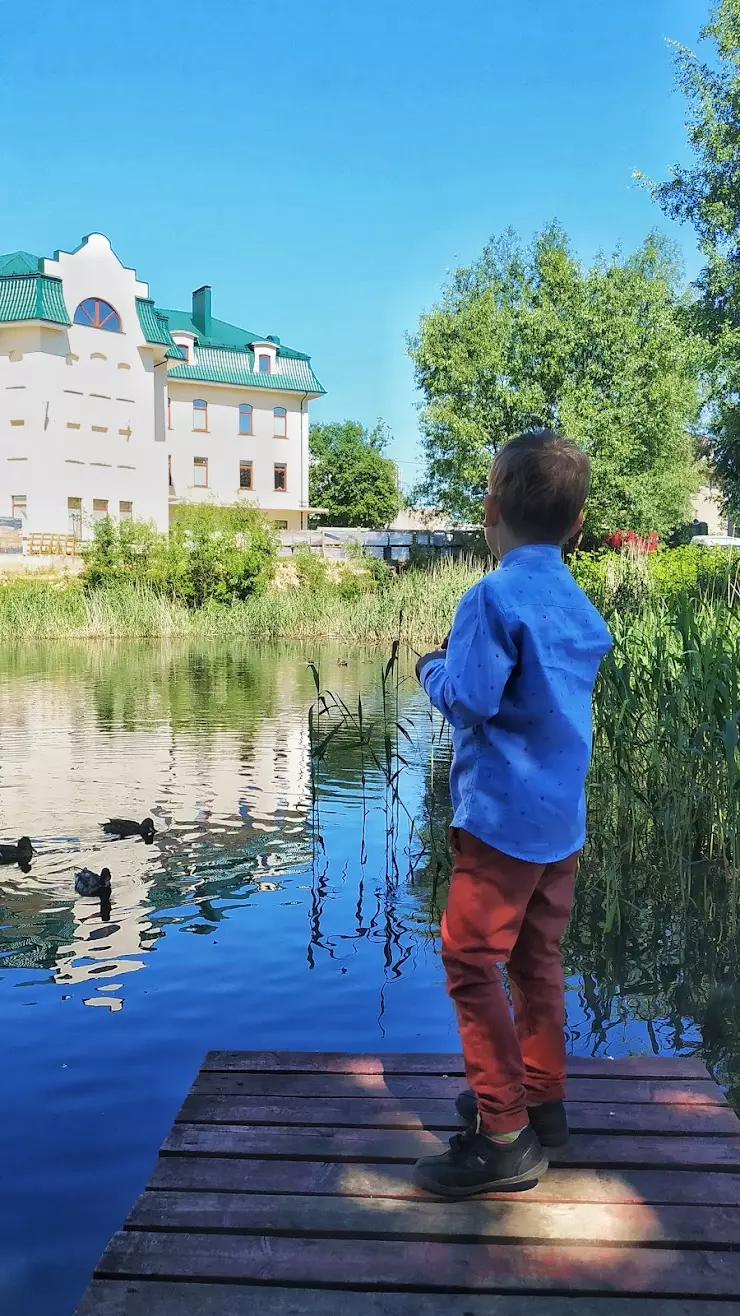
(479, 1267)
(522, 1221)
(430, 1113)
(327, 1144)
(162, 1298)
(221, 1174)
(316, 1062)
(695, 1092)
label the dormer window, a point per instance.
(264, 364)
(186, 351)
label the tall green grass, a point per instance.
(419, 604)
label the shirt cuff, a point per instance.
(426, 668)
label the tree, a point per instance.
(708, 195)
(526, 338)
(350, 477)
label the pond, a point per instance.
(284, 903)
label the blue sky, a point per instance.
(322, 163)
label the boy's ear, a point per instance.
(492, 512)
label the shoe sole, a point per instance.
(514, 1181)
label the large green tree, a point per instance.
(526, 337)
(350, 476)
(707, 193)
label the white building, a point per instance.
(111, 406)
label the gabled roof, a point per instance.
(224, 365)
(225, 357)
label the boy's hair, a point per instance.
(540, 481)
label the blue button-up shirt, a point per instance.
(516, 685)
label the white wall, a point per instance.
(224, 447)
(76, 390)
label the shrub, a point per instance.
(310, 569)
(211, 555)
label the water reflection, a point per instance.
(213, 744)
(282, 903)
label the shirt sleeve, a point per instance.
(466, 685)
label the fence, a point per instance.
(399, 546)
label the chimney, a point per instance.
(202, 310)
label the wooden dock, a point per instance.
(284, 1189)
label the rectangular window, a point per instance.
(245, 475)
(245, 418)
(19, 506)
(200, 472)
(74, 517)
(126, 511)
(264, 364)
(282, 525)
(281, 477)
(169, 413)
(200, 415)
(280, 427)
(100, 508)
(169, 472)
(184, 347)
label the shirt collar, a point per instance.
(543, 554)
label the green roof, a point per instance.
(225, 357)
(223, 365)
(32, 297)
(154, 328)
(19, 262)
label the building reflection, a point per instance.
(231, 806)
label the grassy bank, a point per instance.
(363, 607)
(421, 602)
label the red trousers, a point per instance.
(505, 912)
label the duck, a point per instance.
(122, 827)
(17, 854)
(88, 883)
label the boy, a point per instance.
(515, 681)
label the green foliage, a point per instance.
(707, 195)
(528, 338)
(211, 555)
(310, 569)
(350, 476)
(628, 582)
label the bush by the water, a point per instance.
(211, 555)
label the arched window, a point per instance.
(245, 418)
(97, 315)
(200, 415)
(264, 364)
(280, 429)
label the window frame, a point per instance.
(246, 464)
(280, 466)
(246, 412)
(17, 515)
(200, 464)
(74, 517)
(99, 513)
(279, 414)
(264, 369)
(128, 515)
(87, 322)
(200, 408)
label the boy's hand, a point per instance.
(428, 658)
